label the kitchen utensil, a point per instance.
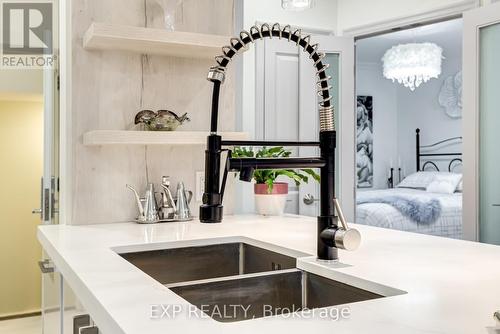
(183, 199)
(167, 208)
(148, 209)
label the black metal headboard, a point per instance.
(454, 156)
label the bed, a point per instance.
(417, 204)
(449, 223)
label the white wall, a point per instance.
(322, 16)
(358, 13)
(420, 109)
(369, 81)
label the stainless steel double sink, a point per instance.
(259, 281)
(185, 264)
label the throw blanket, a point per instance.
(423, 212)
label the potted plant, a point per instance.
(270, 195)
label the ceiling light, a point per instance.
(412, 64)
(297, 5)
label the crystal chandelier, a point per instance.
(412, 64)
(297, 5)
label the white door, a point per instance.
(280, 119)
(340, 56)
(50, 178)
(288, 106)
(481, 82)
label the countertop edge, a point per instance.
(92, 306)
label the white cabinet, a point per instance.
(51, 298)
(74, 315)
(62, 312)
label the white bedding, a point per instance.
(449, 224)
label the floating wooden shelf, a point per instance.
(103, 36)
(123, 137)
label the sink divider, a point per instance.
(241, 268)
(303, 285)
(238, 277)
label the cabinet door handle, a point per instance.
(496, 204)
(89, 330)
(80, 321)
(46, 266)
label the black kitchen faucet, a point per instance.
(330, 235)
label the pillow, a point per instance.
(444, 183)
(418, 180)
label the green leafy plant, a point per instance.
(268, 176)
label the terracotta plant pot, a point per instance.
(270, 204)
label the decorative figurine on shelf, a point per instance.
(161, 120)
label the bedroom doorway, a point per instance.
(409, 129)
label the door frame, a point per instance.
(474, 20)
(65, 141)
(438, 14)
(445, 13)
(346, 138)
(52, 282)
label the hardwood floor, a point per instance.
(31, 325)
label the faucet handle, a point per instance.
(349, 239)
(345, 237)
(165, 181)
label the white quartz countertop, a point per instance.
(450, 286)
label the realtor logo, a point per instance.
(27, 34)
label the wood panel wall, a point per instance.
(110, 87)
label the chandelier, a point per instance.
(297, 5)
(412, 64)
